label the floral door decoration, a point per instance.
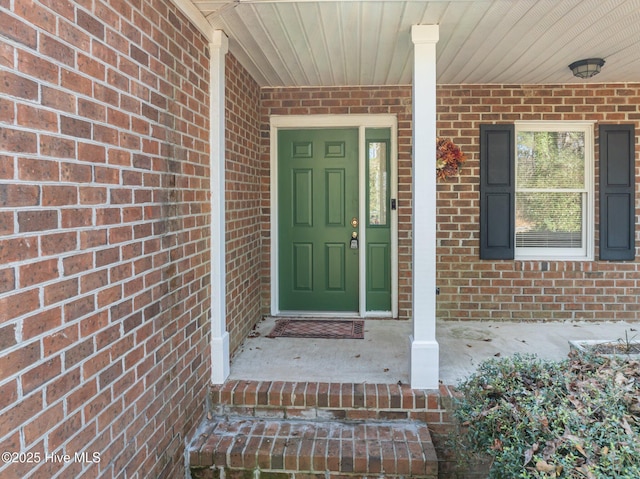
(449, 158)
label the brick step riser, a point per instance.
(309, 413)
(402, 449)
(229, 473)
(323, 401)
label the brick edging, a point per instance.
(321, 400)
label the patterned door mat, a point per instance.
(316, 328)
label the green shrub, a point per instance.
(578, 418)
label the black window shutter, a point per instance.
(617, 192)
(497, 191)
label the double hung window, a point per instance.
(554, 190)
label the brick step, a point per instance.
(342, 401)
(268, 448)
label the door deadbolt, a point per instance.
(354, 222)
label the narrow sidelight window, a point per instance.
(378, 183)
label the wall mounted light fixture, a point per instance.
(587, 68)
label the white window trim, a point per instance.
(586, 253)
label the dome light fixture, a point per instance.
(587, 68)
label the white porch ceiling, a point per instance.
(367, 42)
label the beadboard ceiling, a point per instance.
(367, 42)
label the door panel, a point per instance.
(335, 269)
(317, 192)
(303, 197)
(303, 266)
(335, 197)
(378, 261)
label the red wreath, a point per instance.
(449, 157)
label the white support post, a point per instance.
(424, 347)
(219, 336)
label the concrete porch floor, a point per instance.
(383, 355)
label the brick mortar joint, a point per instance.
(316, 414)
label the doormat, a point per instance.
(315, 328)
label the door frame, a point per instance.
(361, 122)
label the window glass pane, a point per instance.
(377, 183)
(551, 159)
(549, 220)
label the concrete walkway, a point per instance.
(464, 345)
(383, 356)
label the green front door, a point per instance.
(318, 198)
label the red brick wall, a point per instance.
(525, 290)
(244, 174)
(470, 288)
(394, 100)
(104, 224)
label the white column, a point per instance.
(424, 347)
(219, 336)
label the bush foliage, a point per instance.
(578, 418)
